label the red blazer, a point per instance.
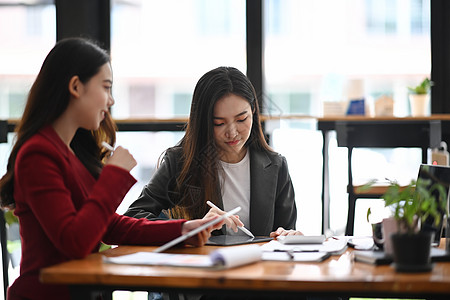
(64, 212)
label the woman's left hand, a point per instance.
(281, 231)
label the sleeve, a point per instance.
(75, 231)
(285, 207)
(124, 230)
(158, 194)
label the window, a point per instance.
(381, 16)
(334, 51)
(159, 51)
(27, 34)
(31, 34)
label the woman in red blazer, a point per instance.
(62, 184)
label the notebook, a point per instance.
(222, 258)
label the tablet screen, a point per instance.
(230, 240)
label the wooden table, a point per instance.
(338, 275)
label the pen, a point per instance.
(296, 250)
(290, 253)
(245, 230)
(107, 146)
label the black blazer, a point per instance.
(272, 199)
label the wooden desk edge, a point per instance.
(92, 271)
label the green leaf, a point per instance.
(10, 218)
(422, 88)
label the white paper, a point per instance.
(297, 256)
(330, 246)
(162, 259)
(301, 239)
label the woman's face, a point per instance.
(233, 120)
(96, 98)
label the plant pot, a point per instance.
(420, 104)
(411, 252)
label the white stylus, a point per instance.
(196, 230)
(107, 146)
(245, 230)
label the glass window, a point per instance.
(27, 34)
(161, 48)
(159, 51)
(332, 51)
(30, 34)
(381, 16)
(420, 18)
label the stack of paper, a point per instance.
(275, 250)
(229, 257)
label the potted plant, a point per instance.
(419, 98)
(411, 206)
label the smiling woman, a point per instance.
(233, 120)
(224, 158)
(70, 186)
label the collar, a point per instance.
(50, 134)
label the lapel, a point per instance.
(262, 191)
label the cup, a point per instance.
(389, 226)
(377, 235)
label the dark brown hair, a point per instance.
(200, 155)
(48, 99)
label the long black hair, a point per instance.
(200, 153)
(49, 97)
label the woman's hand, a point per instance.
(122, 158)
(281, 231)
(232, 222)
(202, 237)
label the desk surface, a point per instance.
(337, 274)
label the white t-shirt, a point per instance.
(235, 187)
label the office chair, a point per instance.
(3, 238)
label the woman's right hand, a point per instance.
(232, 222)
(122, 158)
(202, 237)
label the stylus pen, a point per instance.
(107, 146)
(196, 230)
(245, 230)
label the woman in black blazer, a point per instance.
(224, 158)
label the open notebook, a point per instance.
(228, 257)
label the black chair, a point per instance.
(3, 237)
(413, 133)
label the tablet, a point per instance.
(230, 240)
(196, 230)
(301, 239)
